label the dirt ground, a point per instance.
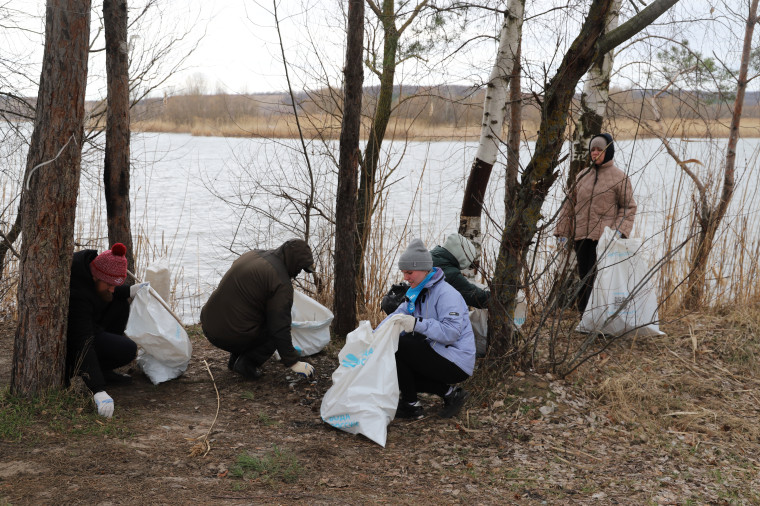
(656, 421)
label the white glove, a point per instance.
(303, 369)
(407, 323)
(104, 403)
(136, 288)
(561, 242)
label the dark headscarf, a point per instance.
(608, 146)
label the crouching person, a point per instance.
(436, 349)
(98, 314)
(249, 313)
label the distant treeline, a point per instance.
(418, 111)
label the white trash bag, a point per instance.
(364, 395)
(310, 327)
(165, 348)
(622, 300)
(479, 322)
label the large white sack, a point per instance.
(479, 322)
(310, 327)
(364, 395)
(164, 342)
(622, 300)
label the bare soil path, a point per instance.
(533, 439)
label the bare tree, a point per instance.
(521, 222)
(709, 217)
(48, 201)
(116, 164)
(389, 17)
(345, 201)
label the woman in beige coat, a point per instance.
(602, 197)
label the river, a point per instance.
(198, 202)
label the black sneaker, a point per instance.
(231, 361)
(410, 411)
(246, 368)
(116, 378)
(453, 402)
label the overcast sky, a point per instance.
(238, 50)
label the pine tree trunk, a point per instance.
(116, 173)
(344, 305)
(48, 201)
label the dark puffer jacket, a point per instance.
(254, 298)
(473, 296)
(86, 310)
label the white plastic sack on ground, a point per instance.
(479, 322)
(310, 328)
(622, 300)
(364, 395)
(166, 349)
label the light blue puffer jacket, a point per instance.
(445, 322)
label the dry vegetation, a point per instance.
(442, 113)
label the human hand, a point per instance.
(104, 404)
(303, 369)
(407, 323)
(136, 288)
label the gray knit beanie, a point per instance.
(416, 257)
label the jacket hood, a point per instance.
(609, 152)
(296, 255)
(464, 250)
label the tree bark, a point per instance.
(495, 109)
(345, 289)
(116, 175)
(710, 219)
(48, 201)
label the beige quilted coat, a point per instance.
(602, 197)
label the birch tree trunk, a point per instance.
(495, 108)
(344, 305)
(48, 201)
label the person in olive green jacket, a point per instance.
(459, 253)
(249, 313)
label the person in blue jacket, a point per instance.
(436, 350)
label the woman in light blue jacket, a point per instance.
(438, 349)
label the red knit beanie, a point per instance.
(111, 265)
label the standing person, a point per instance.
(602, 197)
(249, 313)
(436, 350)
(456, 254)
(98, 314)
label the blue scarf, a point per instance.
(412, 293)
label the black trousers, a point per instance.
(257, 350)
(420, 369)
(109, 349)
(585, 252)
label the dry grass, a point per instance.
(317, 126)
(699, 381)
